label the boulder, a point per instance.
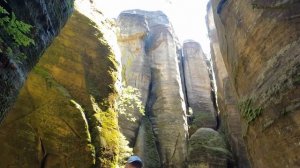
(207, 149)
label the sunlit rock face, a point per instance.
(198, 88)
(167, 108)
(45, 128)
(47, 18)
(150, 63)
(226, 100)
(259, 42)
(133, 29)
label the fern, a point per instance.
(18, 31)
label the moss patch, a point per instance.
(151, 159)
(248, 111)
(208, 146)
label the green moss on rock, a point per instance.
(207, 147)
(248, 111)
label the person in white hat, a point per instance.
(134, 162)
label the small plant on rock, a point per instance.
(129, 100)
(18, 31)
(248, 112)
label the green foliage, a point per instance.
(129, 100)
(18, 31)
(151, 157)
(124, 151)
(249, 113)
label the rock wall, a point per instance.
(167, 105)
(47, 18)
(56, 120)
(226, 100)
(133, 29)
(150, 63)
(198, 88)
(145, 145)
(259, 43)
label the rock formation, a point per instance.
(133, 29)
(47, 18)
(207, 149)
(150, 63)
(198, 88)
(226, 100)
(55, 122)
(145, 145)
(259, 42)
(65, 113)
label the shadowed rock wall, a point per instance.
(47, 18)
(226, 100)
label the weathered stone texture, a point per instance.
(47, 18)
(149, 58)
(259, 42)
(198, 88)
(226, 100)
(167, 104)
(145, 145)
(45, 128)
(133, 29)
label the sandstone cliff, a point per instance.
(56, 120)
(133, 29)
(259, 43)
(150, 63)
(198, 88)
(47, 18)
(226, 100)
(65, 116)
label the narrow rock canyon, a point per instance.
(105, 89)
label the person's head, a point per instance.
(134, 162)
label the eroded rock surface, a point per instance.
(167, 105)
(54, 123)
(133, 29)
(259, 42)
(150, 63)
(145, 145)
(47, 18)
(226, 100)
(198, 88)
